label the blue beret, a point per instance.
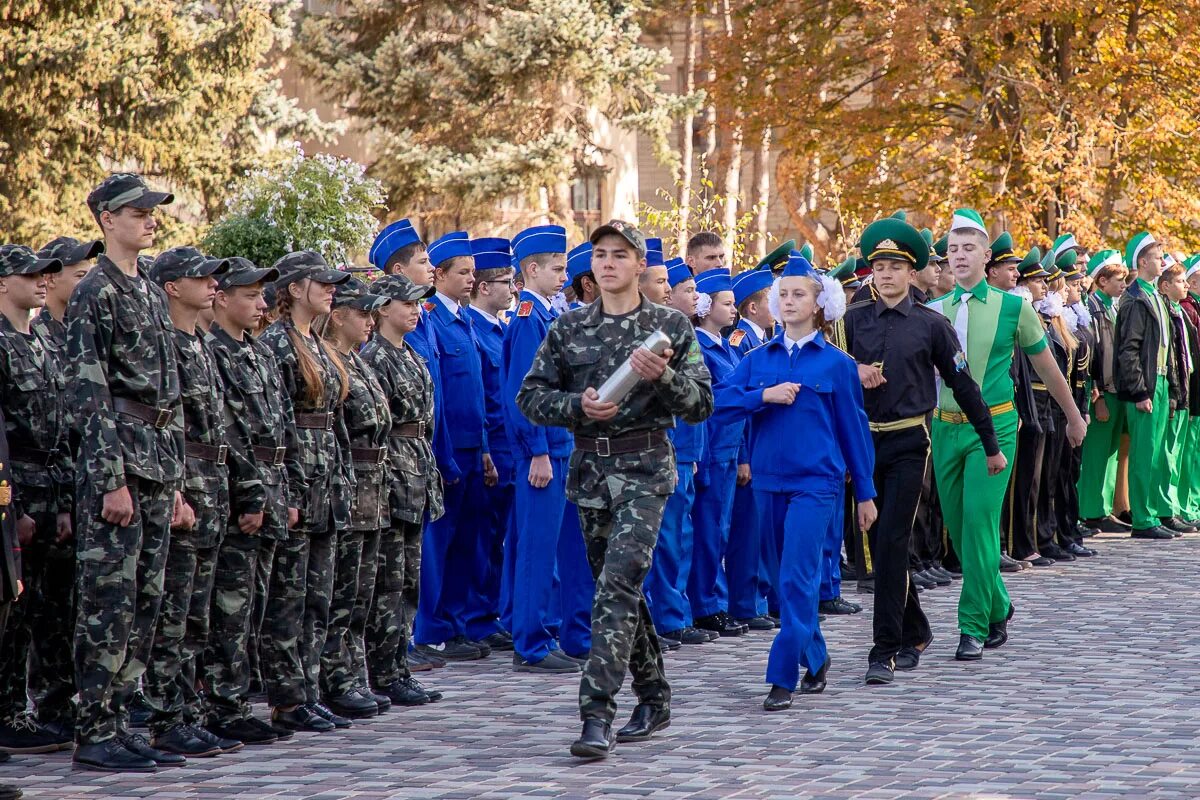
(714, 280)
(678, 271)
(798, 267)
(539, 239)
(491, 253)
(579, 261)
(751, 281)
(654, 253)
(452, 245)
(400, 233)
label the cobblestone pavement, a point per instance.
(1097, 695)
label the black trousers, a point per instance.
(1053, 463)
(1066, 498)
(900, 461)
(1020, 505)
(927, 541)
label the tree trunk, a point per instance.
(686, 154)
(762, 193)
(558, 197)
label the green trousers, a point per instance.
(1147, 459)
(1189, 472)
(1098, 473)
(1166, 494)
(971, 502)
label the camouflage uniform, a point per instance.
(122, 376)
(259, 425)
(32, 395)
(300, 593)
(415, 490)
(368, 421)
(620, 496)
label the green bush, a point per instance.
(248, 237)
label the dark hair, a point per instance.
(577, 284)
(757, 298)
(1110, 271)
(482, 276)
(401, 257)
(703, 239)
(451, 263)
(1171, 272)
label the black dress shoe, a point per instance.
(401, 693)
(777, 619)
(1177, 525)
(1125, 517)
(1108, 524)
(419, 661)
(778, 699)
(921, 581)
(1157, 532)
(139, 711)
(456, 649)
(666, 644)
(909, 657)
(728, 620)
(762, 623)
(838, 606)
(940, 580)
(111, 756)
(9, 792)
(381, 701)
(880, 672)
(182, 740)
(596, 741)
(1008, 564)
(322, 710)
(969, 648)
(1079, 551)
(998, 631)
(685, 636)
(61, 731)
(412, 683)
(23, 736)
(865, 586)
(352, 705)
(715, 622)
(500, 641)
(645, 720)
(955, 571)
(137, 744)
(549, 665)
(940, 574)
(249, 731)
(815, 684)
(300, 718)
(1040, 561)
(485, 650)
(1057, 553)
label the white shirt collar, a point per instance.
(711, 336)
(451, 305)
(492, 319)
(545, 301)
(758, 331)
(793, 344)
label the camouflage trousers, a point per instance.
(362, 607)
(390, 621)
(182, 631)
(40, 666)
(354, 577)
(226, 664)
(119, 585)
(258, 612)
(620, 542)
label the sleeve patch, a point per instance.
(736, 337)
(429, 306)
(960, 361)
(694, 356)
(525, 309)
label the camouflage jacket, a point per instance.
(10, 549)
(415, 484)
(119, 346)
(582, 349)
(257, 414)
(33, 396)
(368, 422)
(321, 475)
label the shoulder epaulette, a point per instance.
(860, 304)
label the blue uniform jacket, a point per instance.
(522, 339)
(724, 441)
(424, 341)
(747, 341)
(815, 440)
(462, 377)
(490, 336)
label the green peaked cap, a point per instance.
(901, 215)
(1031, 265)
(807, 252)
(894, 238)
(1135, 247)
(967, 219)
(845, 271)
(1002, 250)
(777, 256)
(941, 246)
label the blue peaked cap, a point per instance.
(751, 281)
(678, 272)
(491, 253)
(798, 267)
(579, 261)
(452, 245)
(714, 280)
(400, 233)
(654, 253)
(539, 239)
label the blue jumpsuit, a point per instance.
(749, 554)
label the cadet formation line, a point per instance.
(228, 482)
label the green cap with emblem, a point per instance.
(1135, 247)
(1003, 251)
(626, 231)
(1102, 259)
(941, 247)
(896, 239)
(967, 219)
(1049, 267)
(17, 259)
(1031, 266)
(125, 189)
(901, 215)
(845, 274)
(777, 256)
(1067, 263)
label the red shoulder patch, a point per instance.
(525, 309)
(429, 305)
(736, 337)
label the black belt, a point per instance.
(30, 455)
(409, 430)
(158, 417)
(271, 455)
(368, 455)
(315, 421)
(620, 445)
(206, 452)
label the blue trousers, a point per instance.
(541, 522)
(771, 544)
(449, 549)
(831, 553)
(743, 556)
(484, 607)
(708, 590)
(804, 517)
(576, 587)
(666, 583)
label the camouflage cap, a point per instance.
(185, 262)
(626, 231)
(307, 264)
(356, 294)
(71, 251)
(399, 287)
(243, 272)
(17, 259)
(125, 189)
